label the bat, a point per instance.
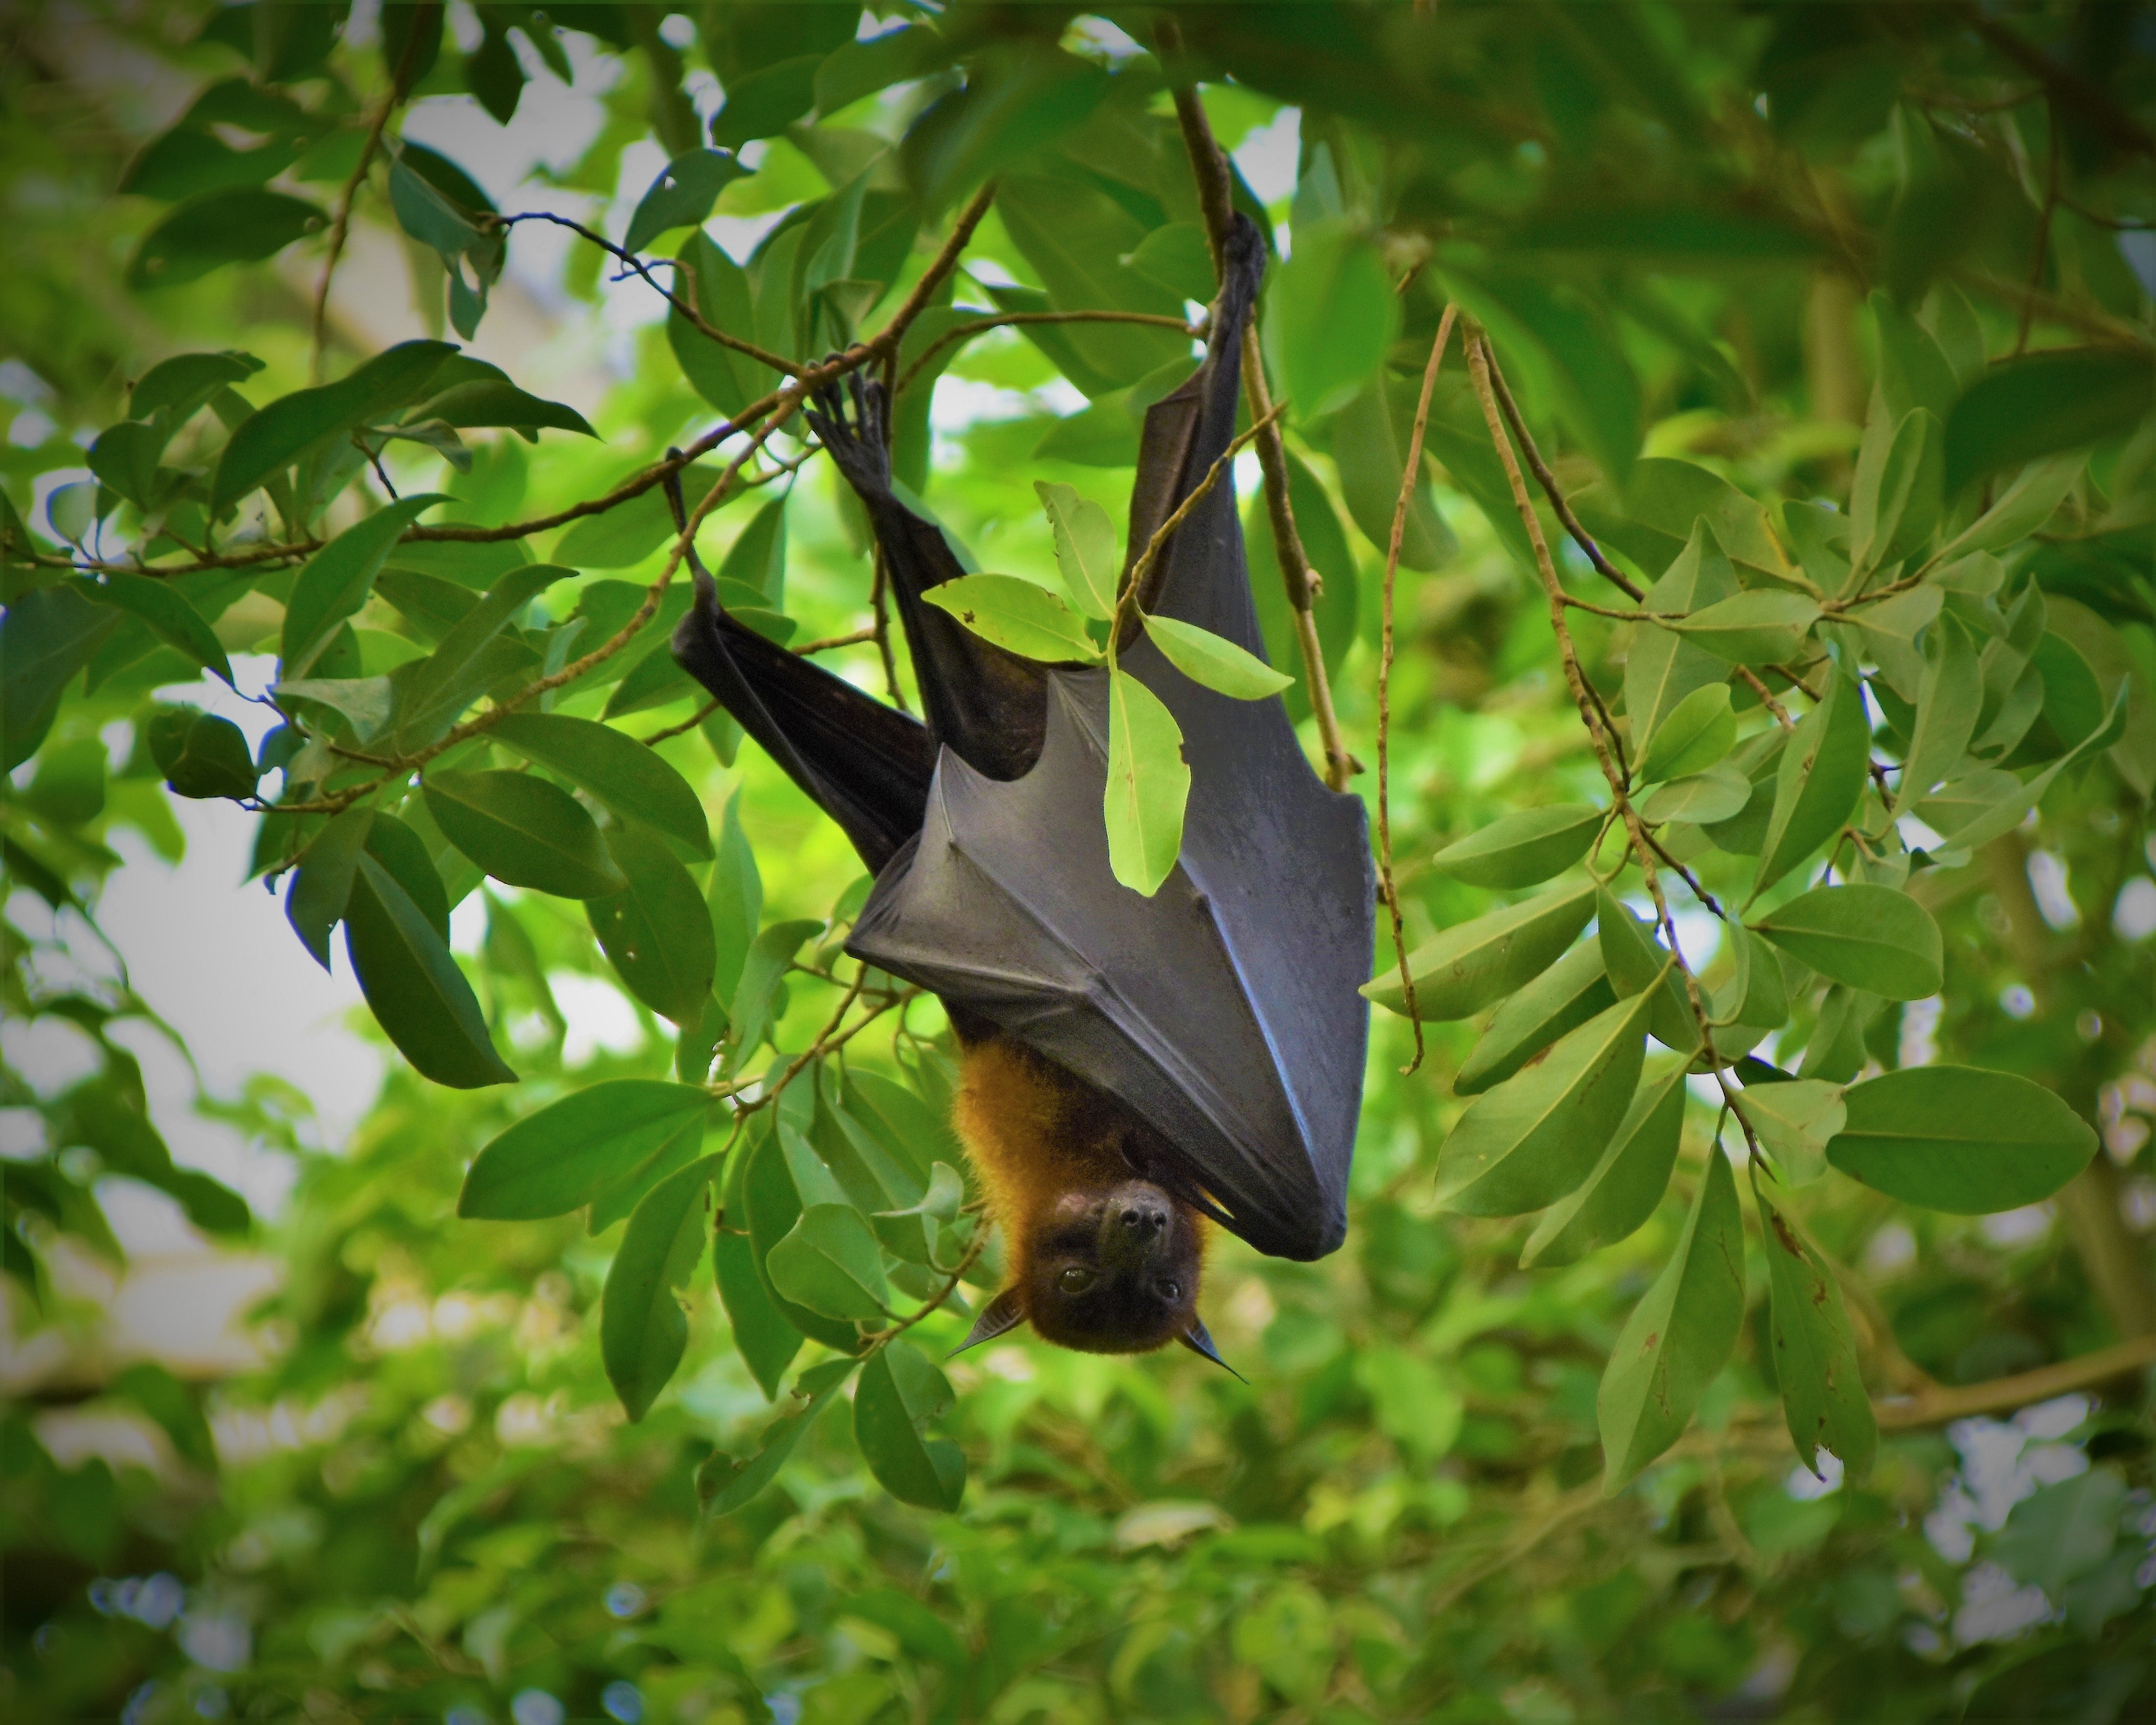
(1133, 1069)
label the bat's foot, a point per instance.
(859, 443)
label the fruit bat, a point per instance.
(1133, 1067)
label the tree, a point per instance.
(1703, 467)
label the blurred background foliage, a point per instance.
(406, 1488)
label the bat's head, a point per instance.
(1113, 1270)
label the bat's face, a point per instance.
(1113, 1269)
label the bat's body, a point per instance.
(1133, 1064)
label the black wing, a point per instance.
(1223, 1009)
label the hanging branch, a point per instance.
(340, 224)
(1408, 476)
(1208, 166)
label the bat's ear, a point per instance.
(1003, 1312)
(1199, 1342)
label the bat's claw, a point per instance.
(858, 442)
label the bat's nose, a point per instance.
(1144, 1218)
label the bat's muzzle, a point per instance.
(1138, 1221)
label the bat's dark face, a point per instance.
(1113, 1269)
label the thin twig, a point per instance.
(702, 713)
(1125, 622)
(1409, 474)
(1550, 489)
(1208, 166)
(1935, 1407)
(858, 638)
(341, 224)
(880, 630)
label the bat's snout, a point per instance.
(1136, 1222)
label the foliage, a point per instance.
(1828, 611)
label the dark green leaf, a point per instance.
(570, 1152)
(1896, 501)
(726, 1485)
(643, 1331)
(736, 899)
(1816, 1362)
(2040, 403)
(1467, 967)
(727, 380)
(767, 100)
(279, 433)
(472, 658)
(901, 1394)
(1075, 237)
(392, 842)
(1871, 937)
(1623, 1186)
(829, 1262)
(1756, 993)
(630, 532)
(237, 224)
(633, 781)
(1763, 626)
(1565, 996)
(1370, 448)
(1698, 731)
(1959, 1139)
(525, 831)
(1678, 1337)
(1526, 1143)
(171, 618)
(1719, 793)
(2062, 1531)
(214, 761)
(772, 1204)
(418, 994)
(485, 401)
(682, 195)
(657, 932)
(1820, 776)
(46, 636)
(1663, 668)
(1524, 848)
(762, 969)
(182, 383)
(321, 883)
(1636, 962)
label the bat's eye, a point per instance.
(1076, 1279)
(1170, 1291)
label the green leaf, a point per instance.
(1534, 1137)
(756, 558)
(414, 987)
(1678, 1337)
(765, 1341)
(485, 402)
(1637, 962)
(1796, 1119)
(563, 1157)
(1816, 1362)
(1756, 994)
(1871, 937)
(766, 101)
(338, 580)
(1700, 730)
(726, 1485)
(471, 659)
(321, 883)
(1960, 1139)
(1214, 661)
(1329, 314)
(214, 761)
(1522, 850)
(2062, 1530)
(275, 436)
(1370, 437)
(1895, 506)
(1149, 785)
(236, 225)
(771, 1205)
(643, 1331)
(1017, 615)
(171, 618)
(1469, 966)
(736, 899)
(1763, 626)
(1888, 631)
(901, 1393)
(656, 931)
(1075, 237)
(47, 636)
(1820, 778)
(1719, 793)
(1177, 258)
(2022, 508)
(1664, 668)
(1565, 996)
(2041, 404)
(392, 842)
(181, 385)
(727, 380)
(682, 196)
(1626, 1185)
(173, 1405)
(1085, 548)
(830, 1263)
(634, 782)
(366, 703)
(762, 969)
(524, 831)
